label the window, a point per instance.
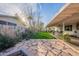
(11, 24)
(3, 22)
(68, 28)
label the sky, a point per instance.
(47, 10)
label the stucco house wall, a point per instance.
(70, 32)
(10, 30)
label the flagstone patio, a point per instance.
(44, 47)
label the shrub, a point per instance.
(65, 37)
(27, 35)
(7, 42)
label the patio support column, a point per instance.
(63, 27)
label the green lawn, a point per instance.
(42, 35)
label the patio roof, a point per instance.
(67, 12)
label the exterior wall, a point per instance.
(73, 31)
(9, 29)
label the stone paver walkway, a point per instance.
(44, 48)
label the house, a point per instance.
(67, 19)
(9, 25)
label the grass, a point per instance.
(42, 35)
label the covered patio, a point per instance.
(67, 19)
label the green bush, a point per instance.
(27, 35)
(65, 37)
(7, 42)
